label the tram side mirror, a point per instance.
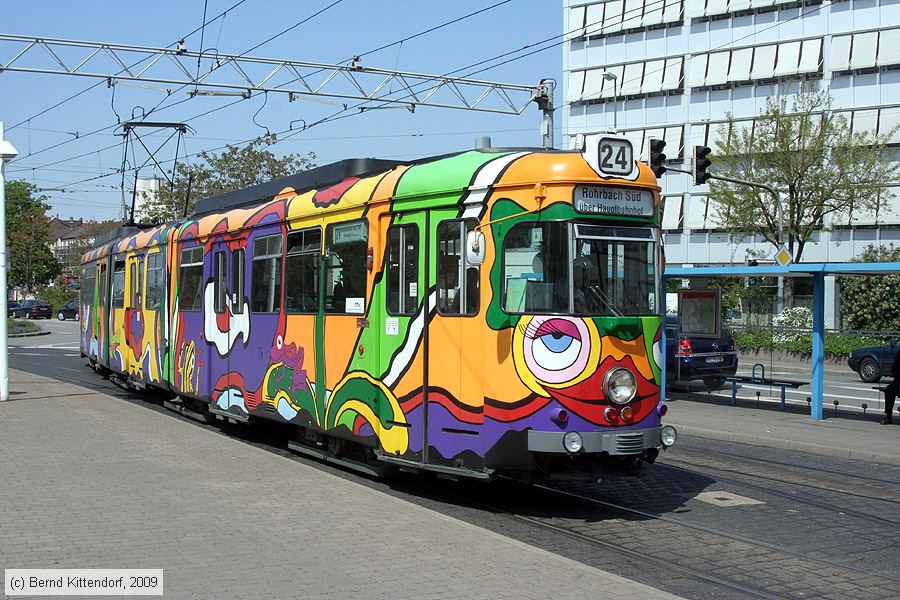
(475, 248)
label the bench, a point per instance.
(763, 380)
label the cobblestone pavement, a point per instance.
(92, 481)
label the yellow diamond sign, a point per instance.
(783, 257)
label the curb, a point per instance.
(782, 444)
(29, 334)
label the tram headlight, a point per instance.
(619, 385)
(573, 442)
(668, 435)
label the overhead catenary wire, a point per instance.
(169, 94)
(368, 52)
(99, 83)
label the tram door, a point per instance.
(347, 346)
(133, 324)
(455, 399)
(229, 318)
(402, 326)
(101, 312)
(116, 332)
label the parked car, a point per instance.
(872, 362)
(691, 358)
(69, 311)
(10, 307)
(33, 309)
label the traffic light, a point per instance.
(657, 157)
(701, 164)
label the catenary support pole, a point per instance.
(7, 152)
(818, 346)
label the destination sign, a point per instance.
(616, 201)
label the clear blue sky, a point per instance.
(350, 27)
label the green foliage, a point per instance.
(14, 327)
(872, 303)
(806, 151)
(31, 262)
(836, 344)
(56, 296)
(216, 173)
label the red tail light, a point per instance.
(685, 347)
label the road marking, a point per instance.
(726, 499)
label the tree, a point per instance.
(216, 173)
(77, 247)
(31, 262)
(870, 303)
(807, 152)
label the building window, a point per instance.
(346, 252)
(301, 271)
(458, 282)
(402, 270)
(190, 276)
(265, 276)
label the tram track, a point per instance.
(790, 475)
(680, 565)
(687, 468)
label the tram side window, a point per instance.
(89, 274)
(154, 264)
(301, 271)
(134, 276)
(101, 289)
(118, 285)
(265, 275)
(402, 269)
(190, 276)
(219, 292)
(536, 268)
(237, 282)
(458, 282)
(346, 251)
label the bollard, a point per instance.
(864, 407)
(733, 393)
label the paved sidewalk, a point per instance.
(840, 437)
(90, 481)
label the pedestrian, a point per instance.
(890, 392)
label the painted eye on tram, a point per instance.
(556, 345)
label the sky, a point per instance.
(59, 149)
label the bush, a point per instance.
(836, 344)
(798, 323)
(14, 327)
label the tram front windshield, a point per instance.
(581, 269)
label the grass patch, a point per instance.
(14, 327)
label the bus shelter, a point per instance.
(817, 271)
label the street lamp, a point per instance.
(7, 153)
(610, 76)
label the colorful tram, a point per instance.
(490, 312)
